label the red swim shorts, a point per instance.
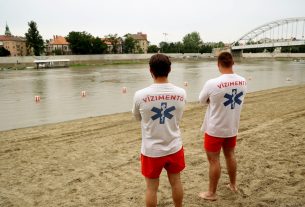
(214, 144)
(152, 166)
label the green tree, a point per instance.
(80, 42)
(192, 42)
(164, 47)
(85, 43)
(179, 46)
(129, 44)
(270, 49)
(4, 52)
(293, 49)
(206, 48)
(153, 49)
(139, 50)
(98, 47)
(172, 47)
(34, 40)
(220, 45)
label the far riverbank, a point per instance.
(112, 59)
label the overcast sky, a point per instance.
(215, 20)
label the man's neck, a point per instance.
(161, 80)
(227, 71)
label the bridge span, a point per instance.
(276, 34)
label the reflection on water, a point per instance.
(60, 89)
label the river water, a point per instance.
(60, 89)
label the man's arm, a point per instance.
(136, 109)
(204, 95)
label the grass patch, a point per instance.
(96, 64)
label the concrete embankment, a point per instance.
(105, 58)
(23, 61)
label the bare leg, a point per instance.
(214, 175)
(151, 192)
(177, 189)
(231, 167)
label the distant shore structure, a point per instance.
(15, 44)
(58, 46)
(124, 90)
(37, 98)
(142, 42)
(52, 63)
(83, 93)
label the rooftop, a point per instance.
(106, 41)
(139, 36)
(12, 38)
(58, 40)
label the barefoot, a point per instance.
(233, 188)
(208, 196)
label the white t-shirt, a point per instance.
(224, 96)
(160, 108)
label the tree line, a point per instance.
(191, 43)
(79, 42)
(85, 43)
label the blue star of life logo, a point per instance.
(163, 112)
(233, 99)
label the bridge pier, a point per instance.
(237, 53)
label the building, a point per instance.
(58, 46)
(110, 45)
(142, 43)
(16, 45)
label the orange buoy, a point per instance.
(124, 90)
(37, 98)
(83, 93)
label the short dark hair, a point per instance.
(160, 65)
(225, 59)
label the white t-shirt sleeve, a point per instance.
(185, 96)
(136, 108)
(204, 94)
(185, 101)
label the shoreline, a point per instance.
(89, 162)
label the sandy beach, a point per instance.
(95, 161)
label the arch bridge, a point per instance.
(276, 34)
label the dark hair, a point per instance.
(225, 59)
(160, 65)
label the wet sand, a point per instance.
(95, 161)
